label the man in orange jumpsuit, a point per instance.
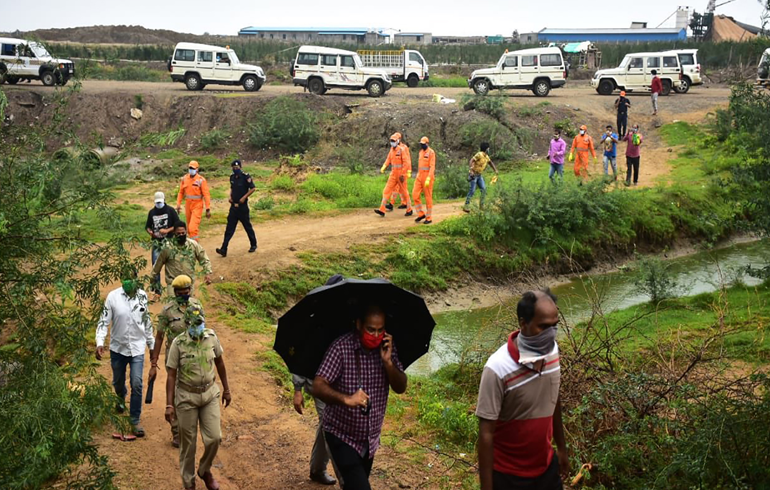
(423, 183)
(195, 191)
(398, 159)
(403, 187)
(582, 144)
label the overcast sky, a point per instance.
(466, 17)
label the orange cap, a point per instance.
(425, 140)
(622, 93)
(395, 136)
(193, 164)
(584, 127)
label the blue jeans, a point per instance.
(477, 180)
(556, 168)
(614, 162)
(119, 363)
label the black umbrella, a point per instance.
(328, 312)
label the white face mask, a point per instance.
(393, 144)
(160, 205)
(193, 172)
(582, 132)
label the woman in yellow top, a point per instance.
(477, 165)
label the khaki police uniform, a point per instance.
(171, 322)
(181, 259)
(197, 400)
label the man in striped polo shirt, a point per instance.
(519, 409)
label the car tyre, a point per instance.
(250, 83)
(666, 87)
(412, 81)
(605, 87)
(375, 88)
(12, 80)
(684, 86)
(481, 86)
(3, 74)
(541, 88)
(316, 86)
(193, 82)
(48, 78)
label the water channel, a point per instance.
(697, 273)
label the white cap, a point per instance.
(160, 197)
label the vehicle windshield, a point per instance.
(233, 57)
(501, 61)
(625, 62)
(39, 50)
(357, 58)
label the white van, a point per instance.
(763, 69)
(320, 69)
(29, 60)
(691, 70)
(635, 73)
(536, 69)
(198, 65)
(404, 65)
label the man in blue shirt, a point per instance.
(610, 142)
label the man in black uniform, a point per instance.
(241, 187)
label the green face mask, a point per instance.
(130, 286)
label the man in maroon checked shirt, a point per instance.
(354, 380)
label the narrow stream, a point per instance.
(697, 273)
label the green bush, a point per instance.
(567, 128)
(453, 181)
(493, 104)
(500, 138)
(214, 139)
(265, 204)
(655, 278)
(284, 124)
(162, 139)
(282, 183)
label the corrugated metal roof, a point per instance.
(548, 30)
(344, 30)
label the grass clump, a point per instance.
(493, 104)
(168, 138)
(284, 124)
(500, 138)
(282, 183)
(214, 139)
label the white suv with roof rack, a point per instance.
(198, 65)
(536, 69)
(691, 69)
(635, 73)
(21, 59)
(320, 69)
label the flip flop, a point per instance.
(124, 438)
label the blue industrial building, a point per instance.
(549, 35)
(336, 35)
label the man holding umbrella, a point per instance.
(354, 380)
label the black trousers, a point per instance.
(550, 480)
(622, 124)
(241, 213)
(632, 163)
(352, 469)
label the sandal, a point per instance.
(124, 437)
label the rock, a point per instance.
(115, 141)
(670, 150)
(136, 113)
(245, 438)
(27, 104)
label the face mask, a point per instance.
(555, 137)
(130, 286)
(423, 146)
(182, 299)
(541, 343)
(181, 239)
(160, 205)
(393, 144)
(582, 132)
(370, 341)
(192, 172)
(196, 331)
(237, 171)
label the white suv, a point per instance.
(198, 65)
(320, 69)
(763, 69)
(536, 69)
(691, 70)
(635, 73)
(29, 60)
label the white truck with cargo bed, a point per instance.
(402, 65)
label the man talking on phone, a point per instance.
(354, 380)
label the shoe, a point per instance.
(403, 206)
(253, 249)
(379, 212)
(409, 213)
(175, 441)
(420, 218)
(467, 209)
(635, 184)
(389, 207)
(222, 251)
(138, 431)
(190, 488)
(208, 479)
(323, 478)
(120, 408)
(626, 183)
(428, 221)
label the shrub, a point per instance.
(499, 137)
(453, 181)
(138, 101)
(265, 203)
(162, 139)
(567, 127)
(493, 104)
(282, 183)
(211, 140)
(284, 124)
(655, 279)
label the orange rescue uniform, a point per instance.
(194, 190)
(403, 187)
(399, 161)
(423, 183)
(581, 146)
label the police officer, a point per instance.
(192, 396)
(241, 187)
(173, 320)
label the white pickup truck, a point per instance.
(402, 65)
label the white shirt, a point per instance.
(131, 323)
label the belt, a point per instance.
(188, 196)
(396, 166)
(424, 168)
(581, 149)
(194, 389)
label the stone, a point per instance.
(136, 113)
